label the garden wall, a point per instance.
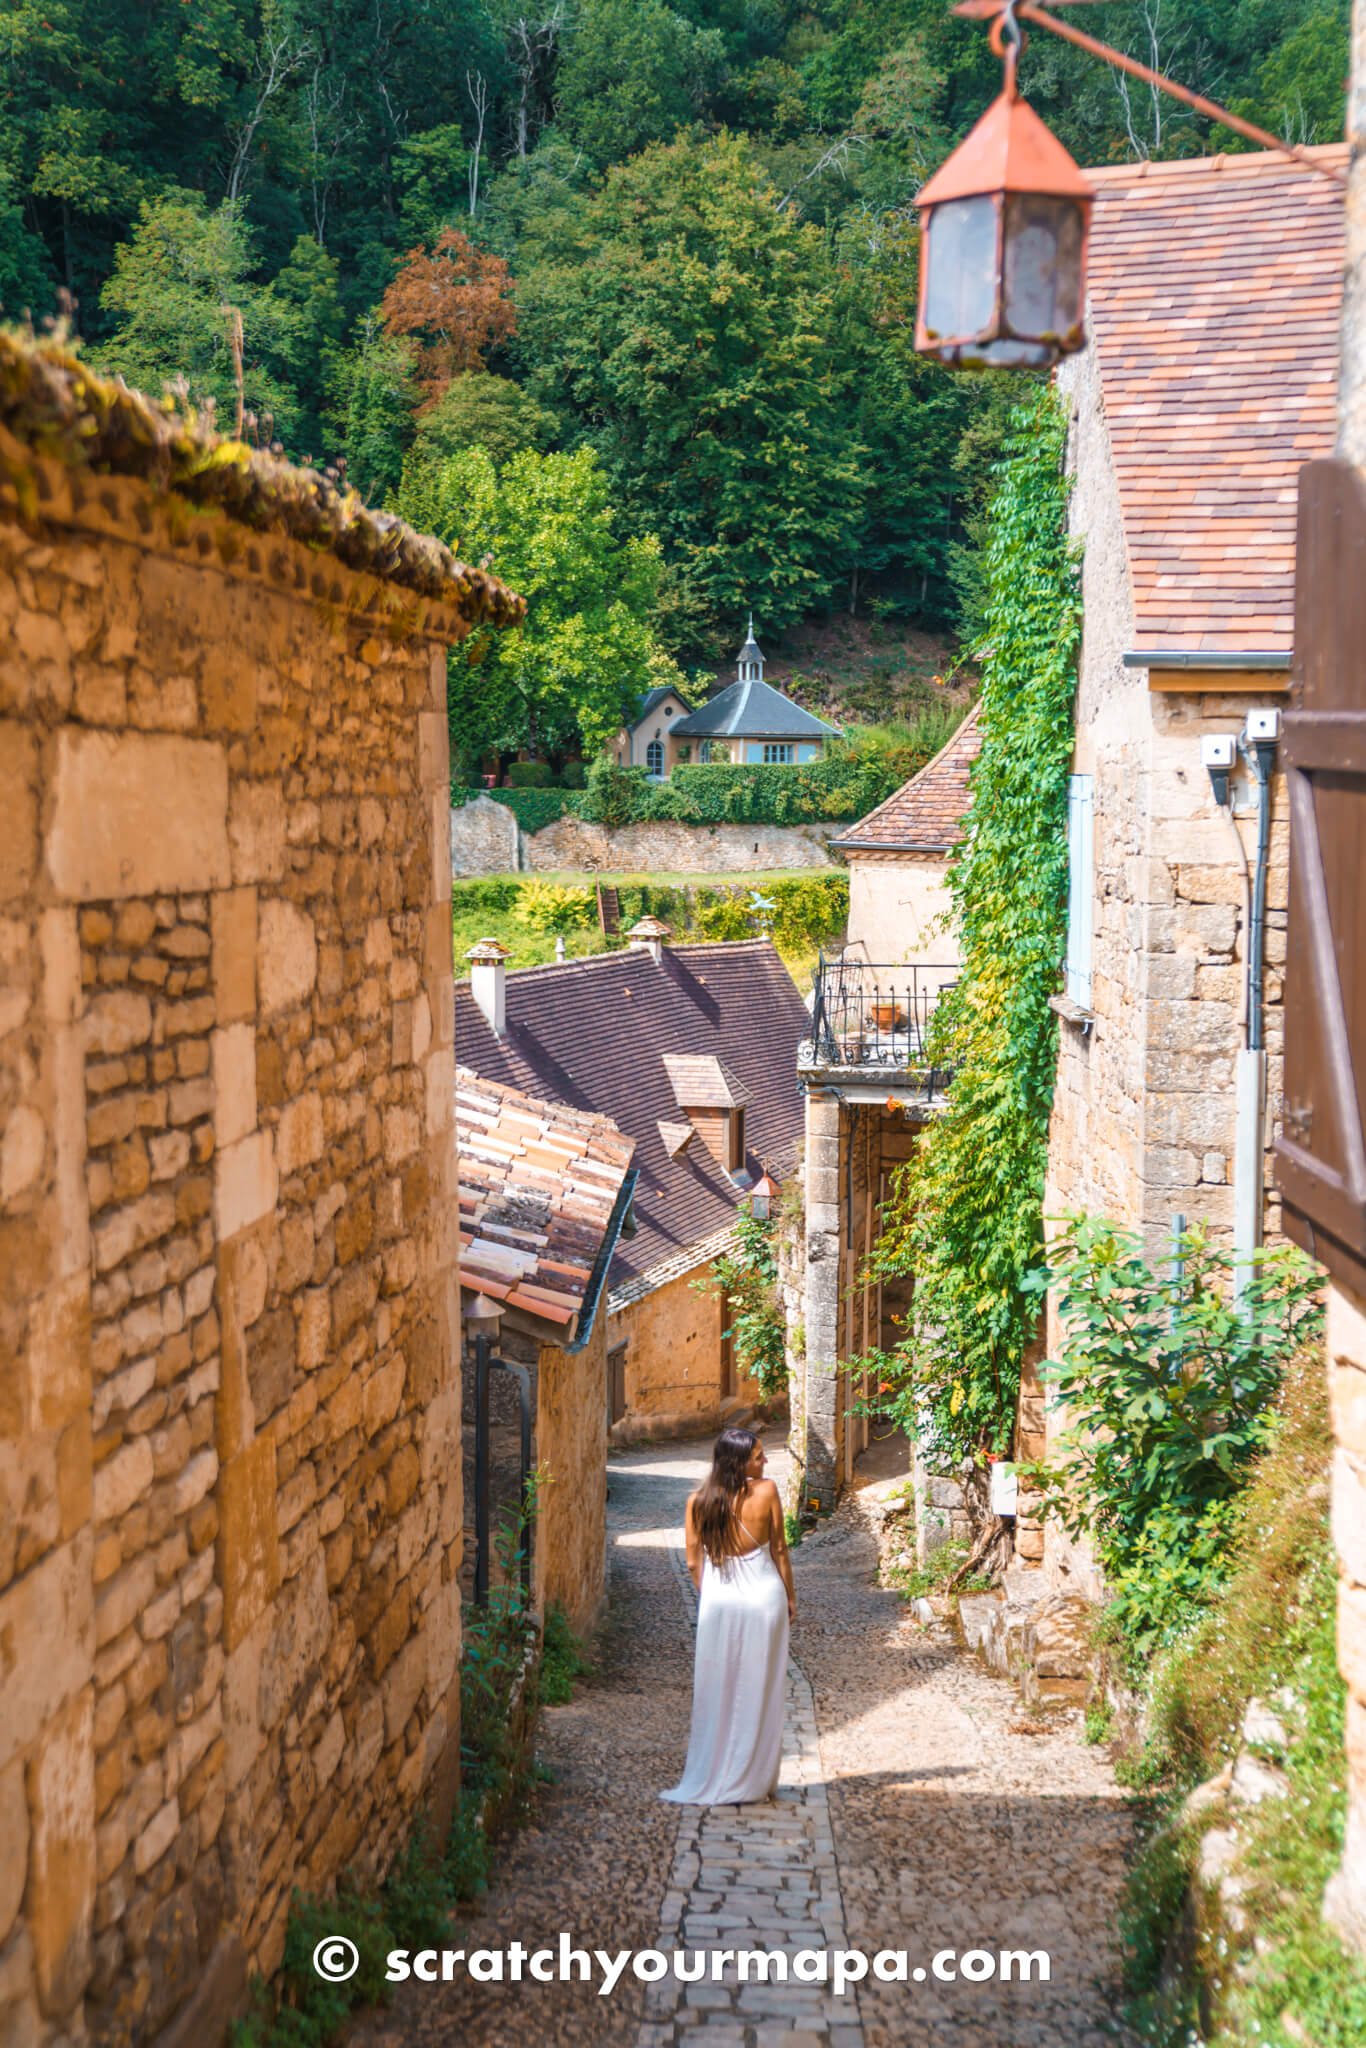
(229, 1420)
(487, 840)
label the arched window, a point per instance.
(654, 759)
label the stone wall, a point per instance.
(840, 1315)
(485, 839)
(229, 1426)
(673, 1362)
(483, 845)
(1144, 1113)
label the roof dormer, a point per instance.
(713, 1100)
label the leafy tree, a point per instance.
(545, 524)
(634, 72)
(689, 331)
(170, 290)
(454, 302)
(374, 392)
(482, 411)
(307, 288)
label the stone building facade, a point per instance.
(1184, 475)
(230, 1502)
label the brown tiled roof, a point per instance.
(539, 1185)
(589, 1033)
(701, 1081)
(926, 814)
(1216, 289)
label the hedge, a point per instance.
(533, 809)
(824, 792)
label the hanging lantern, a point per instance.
(764, 1194)
(1003, 227)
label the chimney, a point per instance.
(488, 983)
(648, 936)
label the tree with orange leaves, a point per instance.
(454, 302)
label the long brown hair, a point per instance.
(715, 1508)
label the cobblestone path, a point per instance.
(918, 1811)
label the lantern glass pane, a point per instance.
(1042, 264)
(960, 259)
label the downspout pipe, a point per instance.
(1248, 1164)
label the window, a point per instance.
(1080, 888)
(778, 750)
(704, 751)
(684, 751)
(654, 759)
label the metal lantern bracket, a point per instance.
(1005, 17)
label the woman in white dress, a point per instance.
(737, 1554)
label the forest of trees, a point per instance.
(642, 270)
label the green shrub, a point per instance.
(562, 1658)
(533, 809)
(530, 775)
(747, 1281)
(616, 796)
(573, 775)
(1169, 1388)
(556, 907)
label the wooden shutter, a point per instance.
(1321, 1153)
(1080, 887)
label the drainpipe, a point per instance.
(1250, 1130)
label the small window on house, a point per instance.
(654, 758)
(1081, 884)
(684, 751)
(778, 750)
(704, 751)
(737, 1133)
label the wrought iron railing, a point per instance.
(872, 1016)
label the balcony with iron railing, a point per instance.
(870, 1025)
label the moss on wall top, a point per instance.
(52, 404)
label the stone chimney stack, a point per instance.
(488, 983)
(648, 936)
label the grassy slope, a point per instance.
(1274, 1627)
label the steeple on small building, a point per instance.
(750, 666)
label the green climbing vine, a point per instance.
(965, 1214)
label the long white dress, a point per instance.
(736, 1738)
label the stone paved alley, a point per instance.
(916, 1811)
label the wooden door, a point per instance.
(1321, 1152)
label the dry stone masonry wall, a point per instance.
(229, 1410)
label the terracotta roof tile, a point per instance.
(1216, 290)
(528, 1237)
(926, 814)
(572, 1038)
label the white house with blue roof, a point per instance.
(748, 722)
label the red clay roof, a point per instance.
(1216, 290)
(538, 1186)
(926, 814)
(590, 1033)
